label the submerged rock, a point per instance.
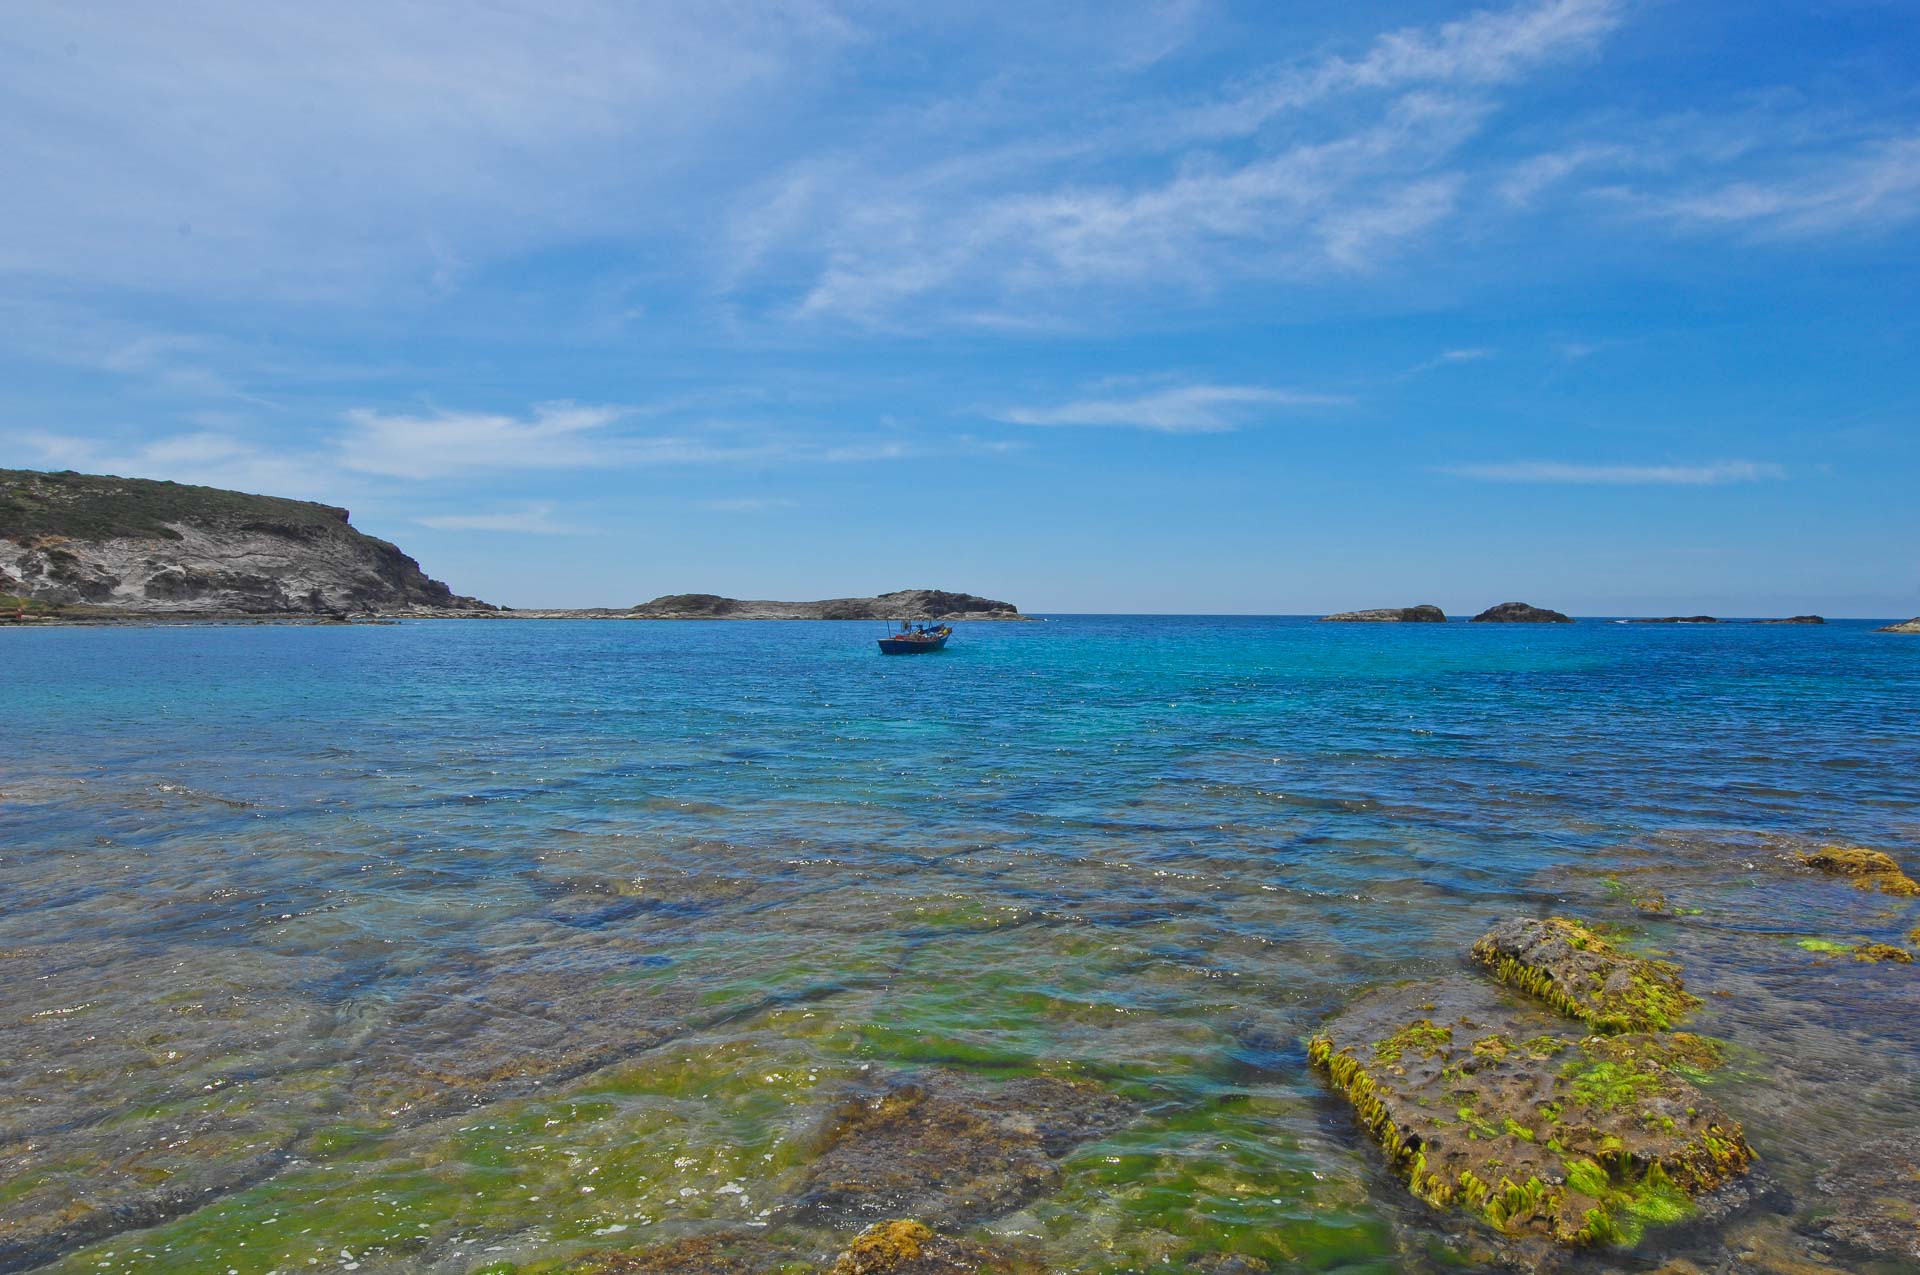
(905, 1247)
(1425, 613)
(1579, 973)
(952, 1148)
(1583, 1141)
(1871, 952)
(1874, 1198)
(1520, 613)
(1868, 869)
(720, 1253)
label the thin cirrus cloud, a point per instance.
(1879, 184)
(438, 444)
(552, 436)
(1187, 409)
(1365, 157)
(535, 519)
(1714, 474)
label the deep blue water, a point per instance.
(471, 857)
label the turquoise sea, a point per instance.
(464, 946)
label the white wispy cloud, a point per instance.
(1489, 46)
(287, 150)
(1365, 163)
(749, 504)
(1533, 176)
(437, 444)
(1341, 204)
(1712, 474)
(1877, 184)
(534, 519)
(1187, 409)
(1450, 358)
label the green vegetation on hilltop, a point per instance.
(101, 507)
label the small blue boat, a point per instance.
(915, 641)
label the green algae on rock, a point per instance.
(1584, 1141)
(1575, 970)
(1867, 869)
(1871, 952)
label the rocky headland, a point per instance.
(98, 549)
(84, 543)
(1520, 613)
(1425, 613)
(1909, 626)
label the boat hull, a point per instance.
(911, 646)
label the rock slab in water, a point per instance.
(1866, 869)
(1425, 613)
(1479, 1104)
(1576, 971)
(134, 545)
(1520, 613)
(1796, 619)
(899, 1246)
(1678, 619)
(1874, 1198)
(1906, 626)
(952, 1148)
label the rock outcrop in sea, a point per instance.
(1520, 613)
(1425, 613)
(902, 604)
(1583, 1133)
(1796, 619)
(133, 545)
(1678, 619)
(1908, 626)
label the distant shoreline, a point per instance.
(177, 619)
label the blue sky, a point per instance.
(1609, 305)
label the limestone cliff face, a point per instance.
(131, 544)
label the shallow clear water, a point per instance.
(382, 945)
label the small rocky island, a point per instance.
(901, 604)
(1908, 626)
(89, 543)
(1520, 613)
(1425, 613)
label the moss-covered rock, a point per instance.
(1582, 1140)
(1576, 971)
(951, 1147)
(905, 1247)
(1872, 952)
(1867, 869)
